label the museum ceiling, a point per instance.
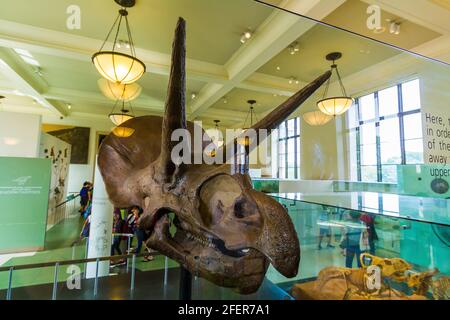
(52, 73)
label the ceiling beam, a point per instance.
(25, 80)
(72, 96)
(70, 46)
(277, 32)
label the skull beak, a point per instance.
(278, 240)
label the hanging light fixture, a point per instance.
(120, 117)
(335, 106)
(117, 66)
(117, 91)
(218, 139)
(245, 141)
(123, 132)
(316, 118)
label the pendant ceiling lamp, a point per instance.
(219, 140)
(123, 132)
(120, 117)
(117, 91)
(316, 118)
(117, 66)
(334, 106)
(245, 141)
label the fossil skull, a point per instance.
(226, 231)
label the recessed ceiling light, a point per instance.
(246, 36)
(278, 68)
(225, 100)
(293, 80)
(69, 106)
(394, 28)
(293, 48)
(193, 95)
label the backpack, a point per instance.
(128, 226)
(87, 211)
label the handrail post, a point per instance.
(55, 281)
(85, 256)
(133, 271)
(96, 276)
(166, 269)
(128, 250)
(9, 292)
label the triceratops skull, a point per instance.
(226, 232)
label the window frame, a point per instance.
(400, 115)
(285, 140)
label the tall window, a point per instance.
(385, 130)
(289, 149)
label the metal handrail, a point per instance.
(68, 200)
(75, 261)
(57, 264)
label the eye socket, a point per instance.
(243, 208)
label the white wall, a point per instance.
(19, 134)
(78, 173)
(60, 169)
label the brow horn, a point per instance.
(175, 109)
(283, 111)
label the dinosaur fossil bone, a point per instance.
(226, 231)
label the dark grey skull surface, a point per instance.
(226, 231)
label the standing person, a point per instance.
(90, 192)
(140, 232)
(117, 228)
(84, 197)
(324, 230)
(351, 240)
(86, 228)
(369, 220)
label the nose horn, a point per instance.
(278, 240)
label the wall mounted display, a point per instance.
(226, 231)
(59, 153)
(24, 194)
(77, 137)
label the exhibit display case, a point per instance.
(413, 229)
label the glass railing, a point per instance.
(338, 231)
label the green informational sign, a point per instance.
(266, 185)
(24, 192)
(426, 180)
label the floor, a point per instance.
(59, 246)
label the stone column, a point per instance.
(101, 227)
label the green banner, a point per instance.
(24, 192)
